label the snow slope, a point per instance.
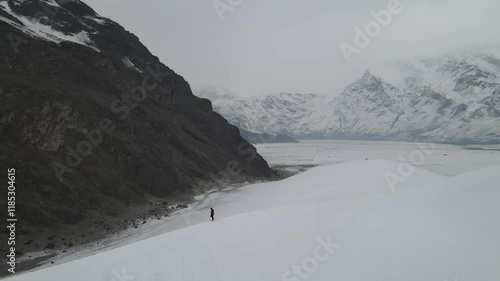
(48, 27)
(339, 222)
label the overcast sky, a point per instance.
(270, 46)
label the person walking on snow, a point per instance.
(212, 213)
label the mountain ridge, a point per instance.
(60, 90)
(449, 99)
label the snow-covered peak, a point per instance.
(455, 93)
(367, 81)
(43, 20)
(460, 77)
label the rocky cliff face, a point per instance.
(452, 98)
(89, 118)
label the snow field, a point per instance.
(433, 227)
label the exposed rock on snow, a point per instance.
(43, 27)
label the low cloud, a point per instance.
(264, 47)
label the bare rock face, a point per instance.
(89, 117)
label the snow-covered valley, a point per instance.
(337, 221)
(386, 169)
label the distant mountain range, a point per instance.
(450, 99)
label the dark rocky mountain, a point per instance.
(93, 122)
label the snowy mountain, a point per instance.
(240, 114)
(97, 125)
(452, 98)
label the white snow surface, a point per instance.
(433, 227)
(34, 28)
(126, 61)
